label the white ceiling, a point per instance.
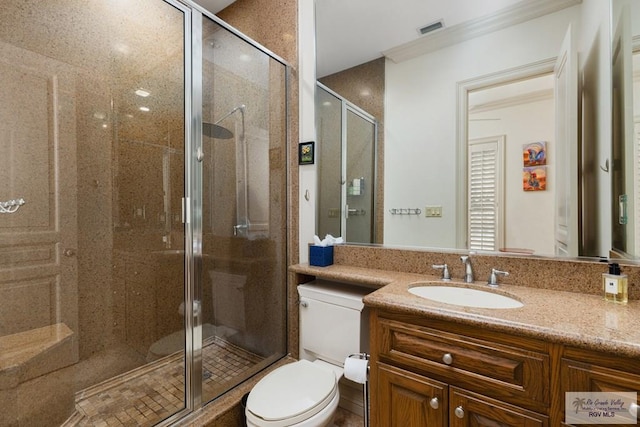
(356, 31)
(352, 32)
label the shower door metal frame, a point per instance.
(193, 200)
(187, 219)
(348, 107)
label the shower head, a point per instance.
(216, 131)
(213, 130)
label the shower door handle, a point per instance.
(239, 227)
(69, 252)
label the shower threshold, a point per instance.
(155, 391)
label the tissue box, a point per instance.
(320, 256)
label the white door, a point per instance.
(566, 179)
(38, 266)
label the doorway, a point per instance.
(511, 199)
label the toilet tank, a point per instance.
(333, 321)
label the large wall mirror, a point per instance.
(508, 128)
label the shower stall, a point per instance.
(347, 141)
(142, 211)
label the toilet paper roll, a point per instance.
(355, 369)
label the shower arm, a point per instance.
(239, 107)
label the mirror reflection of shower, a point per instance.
(216, 131)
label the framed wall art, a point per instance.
(306, 153)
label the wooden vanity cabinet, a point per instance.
(427, 372)
(587, 371)
(408, 399)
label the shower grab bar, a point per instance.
(10, 206)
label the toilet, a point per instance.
(305, 393)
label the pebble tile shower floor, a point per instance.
(146, 395)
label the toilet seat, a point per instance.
(292, 394)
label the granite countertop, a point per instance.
(570, 318)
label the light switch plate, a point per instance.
(433, 211)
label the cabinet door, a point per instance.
(468, 409)
(586, 377)
(409, 400)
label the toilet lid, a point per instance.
(291, 390)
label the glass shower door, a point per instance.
(329, 131)
(360, 174)
(346, 168)
(242, 167)
(92, 264)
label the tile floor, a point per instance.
(148, 394)
(153, 392)
(345, 418)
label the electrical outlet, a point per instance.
(433, 211)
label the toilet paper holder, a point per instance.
(364, 356)
(361, 356)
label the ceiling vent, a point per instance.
(431, 27)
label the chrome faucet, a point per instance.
(468, 271)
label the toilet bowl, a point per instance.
(306, 393)
(307, 396)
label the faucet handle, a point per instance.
(493, 278)
(445, 270)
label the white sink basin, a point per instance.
(465, 297)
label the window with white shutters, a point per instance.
(485, 194)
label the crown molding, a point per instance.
(540, 95)
(516, 14)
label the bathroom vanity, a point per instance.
(439, 373)
(437, 364)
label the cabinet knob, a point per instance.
(459, 411)
(447, 358)
(435, 403)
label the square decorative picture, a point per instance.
(305, 153)
(534, 178)
(535, 154)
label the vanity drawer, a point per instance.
(504, 371)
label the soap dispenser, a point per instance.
(615, 285)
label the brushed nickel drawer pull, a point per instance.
(434, 403)
(447, 358)
(459, 411)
